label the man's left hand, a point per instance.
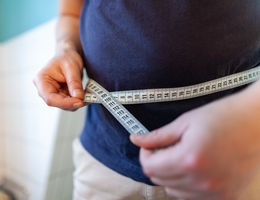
(210, 153)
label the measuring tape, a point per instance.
(113, 101)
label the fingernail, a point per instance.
(77, 93)
(77, 104)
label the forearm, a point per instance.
(67, 29)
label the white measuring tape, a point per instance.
(113, 101)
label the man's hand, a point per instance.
(59, 83)
(209, 153)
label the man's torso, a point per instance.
(133, 44)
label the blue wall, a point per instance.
(18, 16)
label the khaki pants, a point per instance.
(94, 181)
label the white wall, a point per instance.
(2, 136)
(35, 139)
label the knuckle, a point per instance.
(158, 181)
(193, 162)
(213, 186)
(154, 180)
(64, 66)
(76, 55)
(68, 63)
(71, 63)
(184, 117)
(147, 168)
(75, 84)
(155, 133)
(80, 61)
(53, 62)
(48, 101)
(148, 171)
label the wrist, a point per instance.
(64, 45)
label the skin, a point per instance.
(59, 83)
(208, 153)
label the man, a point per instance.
(212, 148)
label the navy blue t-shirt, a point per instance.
(141, 44)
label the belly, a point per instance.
(132, 44)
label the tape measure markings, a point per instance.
(181, 93)
(123, 116)
(112, 101)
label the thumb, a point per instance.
(73, 78)
(160, 138)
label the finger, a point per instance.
(50, 94)
(184, 194)
(162, 163)
(74, 108)
(171, 182)
(72, 74)
(78, 59)
(65, 103)
(45, 85)
(186, 182)
(187, 193)
(162, 137)
(71, 109)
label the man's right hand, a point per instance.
(59, 83)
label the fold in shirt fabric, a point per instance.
(133, 44)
